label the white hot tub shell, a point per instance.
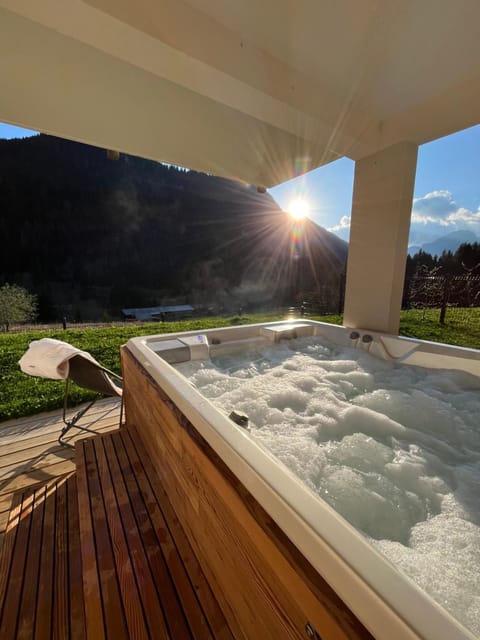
(389, 604)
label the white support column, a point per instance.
(381, 211)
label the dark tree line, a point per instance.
(466, 257)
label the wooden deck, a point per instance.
(30, 454)
(99, 554)
(141, 577)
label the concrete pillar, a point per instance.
(380, 224)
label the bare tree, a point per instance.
(427, 288)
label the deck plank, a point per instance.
(6, 555)
(140, 532)
(50, 422)
(33, 448)
(114, 617)
(195, 593)
(43, 621)
(36, 476)
(26, 621)
(128, 565)
(75, 586)
(35, 464)
(94, 626)
(60, 594)
(12, 602)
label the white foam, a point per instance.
(394, 449)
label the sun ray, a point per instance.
(299, 208)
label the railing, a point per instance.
(442, 291)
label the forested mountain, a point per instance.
(91, 235)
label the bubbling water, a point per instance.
(394, 449)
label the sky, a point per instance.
(9, 131)
(446, 194)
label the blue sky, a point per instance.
(9, 131)
(446, 195)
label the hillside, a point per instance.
(90, 235)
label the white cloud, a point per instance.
(433, 215)
(466, 216)
(435, 206)
(437, 213)
(343, 224)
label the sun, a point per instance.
(299, 209)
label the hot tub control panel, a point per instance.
(181, 349)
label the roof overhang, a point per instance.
(258, 91)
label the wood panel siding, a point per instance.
(265, 587)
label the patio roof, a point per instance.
(257, 91)
(260, 92)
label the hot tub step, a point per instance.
(141, 578)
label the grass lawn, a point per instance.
(462, 326)
(22, 395)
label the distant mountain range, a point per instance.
(92, 235)
(448, 242)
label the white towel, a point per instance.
(49, 358)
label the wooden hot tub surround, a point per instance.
(264, 585)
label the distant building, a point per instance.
(170, 312)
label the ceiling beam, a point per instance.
(58, 85)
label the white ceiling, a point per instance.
(251, 89)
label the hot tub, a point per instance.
(383, 599)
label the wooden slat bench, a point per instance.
(141, 577)
(40, 566)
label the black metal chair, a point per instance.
(89, 375)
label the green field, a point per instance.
(462, 326)
(22, 395)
